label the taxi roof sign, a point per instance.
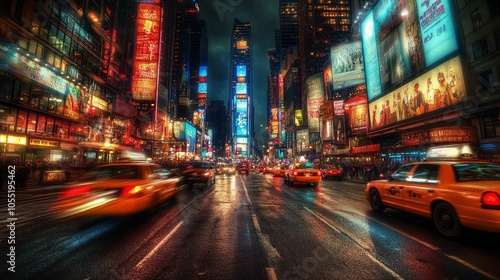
(131, 156)
(451, 152)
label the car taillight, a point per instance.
(206, 174)
(490, 200)
(74, 192)
(129, 191)
(319, 173)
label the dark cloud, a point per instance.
(219, 15)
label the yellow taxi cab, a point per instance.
(450, 187)
(304, 173)
(117, 189)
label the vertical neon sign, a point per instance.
(146, 55)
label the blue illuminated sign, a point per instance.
(241, 88)
(369, 39)
(241, 71)
(202, 87)
(202, 71)
(437, 28)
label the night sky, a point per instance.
(219, 15)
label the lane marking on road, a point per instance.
(476, 269)
(270, 251)
(157, 247)
(365, 250)
(246, 191)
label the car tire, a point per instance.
(376, 201)
(315, 185)
(446, 220)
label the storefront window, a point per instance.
(21, 121)
(31, 123)
(49, 128)
(24, 93)
(55, 102)
(65, 129)
(57, 128)
(6, 86)
(36, 96)
(7, 117)
(40, 127)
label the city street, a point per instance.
(244, 227)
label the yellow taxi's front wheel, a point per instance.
(446, 220)
(375, 201)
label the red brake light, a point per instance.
(74, 192)
(319, 173)
(490, 199)
(129, 191)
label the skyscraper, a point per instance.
(289, 23)
(241, 89)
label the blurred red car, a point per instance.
(331, 171)
(279, 170)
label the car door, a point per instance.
(420, 188)
(392, 193)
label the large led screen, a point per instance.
(146, 56)
(241, 117)
(437, 28)
(347, 65)
(203, 71)
(371, 57)
(402, 39)
(241, 88)
(190, 138)
(314, 87)
(441, 87)
(241, 71)
(202, 87)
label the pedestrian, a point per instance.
(41, 170)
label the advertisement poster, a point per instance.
(437, 28)
(314, 87)
(146, 56)
(241, 117)
(438, 88)
(347, 65)
(357, 114)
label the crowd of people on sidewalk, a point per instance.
(367, 172)
(24, 171)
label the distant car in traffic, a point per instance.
(453, 193)
(243, 167)
(303, 173)
(199, 173)
(280, 170)
(331, 171)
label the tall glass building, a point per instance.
(241, 90)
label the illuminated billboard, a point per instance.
(347, 65)
(202, 87)
(241, 117)
(241, 88)
(314, 88)
(370, 55)
(241, 71)
(146, 55)
(328, 81)
(438, 88)
(203, 71)
(402, 39)
(437, 29)
(190, 137)
(356, 109)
